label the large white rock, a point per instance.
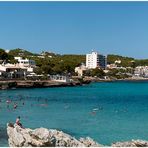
(19, 137)
(89, 142)
(132, 143)
(42, 137)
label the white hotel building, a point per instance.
(94, 60)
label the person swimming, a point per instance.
(8, 101)
(44, 105)
(93, 113)
(15, 106)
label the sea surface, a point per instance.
(105, 111)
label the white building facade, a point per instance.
(25, 62)
(94, 60)
(12, 71)
(21, 69)
(141, 71)
(79, 70)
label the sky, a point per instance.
(76, 27)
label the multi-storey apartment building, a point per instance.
(94, 60)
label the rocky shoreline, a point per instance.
(42, 137)
(13, 84)
(93, 79)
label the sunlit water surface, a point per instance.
(107, 112)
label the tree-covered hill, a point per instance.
(125, 61)
(143, 62)
(20, 52)
(52, 63)
(61, 64)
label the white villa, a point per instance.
(25, 62)
(23, 68)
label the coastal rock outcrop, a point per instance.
(132, 143)
(42, 137)
(89, 142)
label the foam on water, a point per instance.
(107, 112)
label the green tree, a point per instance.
(3, 55)
(97, 72)
(38, 70)
(46, 69)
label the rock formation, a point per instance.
(41, 137)
(133, 143)
(88, 142)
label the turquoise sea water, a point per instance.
(107, 111)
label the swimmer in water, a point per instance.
(15, 106)
(93, 113)
(8, 101)
(43, 104)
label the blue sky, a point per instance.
(76, 27)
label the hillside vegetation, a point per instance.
(125, 61)
(63, 64)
